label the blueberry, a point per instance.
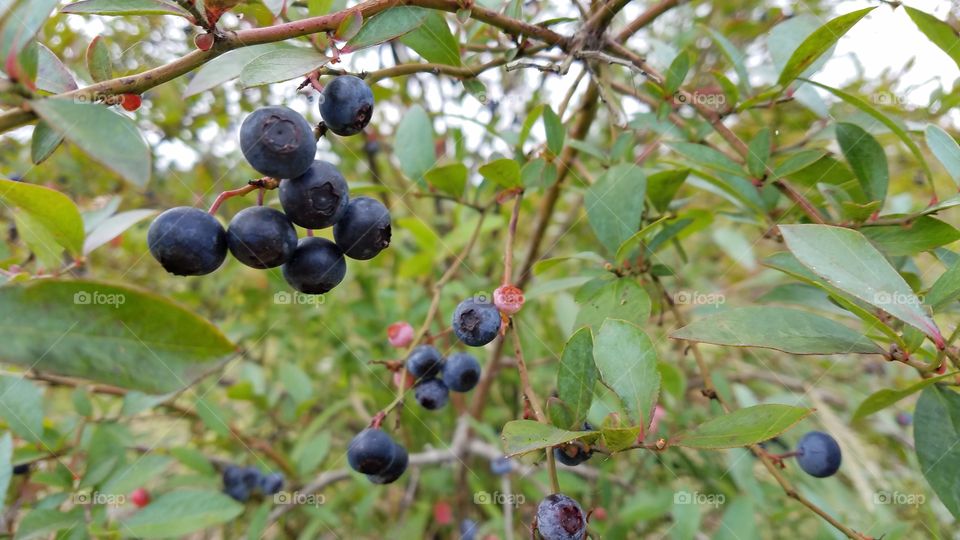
(500, 466)
(271, 484)
(316, 266)
(22, 468)
(476, 323)
(316, 199)
(818, 454)
(431, 394)
(904, 419)
(250, 478)
(187, 241)
(396, 468)
(278, 142)
(346, 105)
(372, 452)
(571, 454)
(560, 518)
(232, 475)
(461, 372)
(261, 237)
(364, 230)
(237, 492)
(468, 529)
(424, 362)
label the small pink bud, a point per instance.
(508, 299)
(400, 334)
(658, 414)
(407, 381)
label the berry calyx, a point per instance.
(560, 518)
(316, 199)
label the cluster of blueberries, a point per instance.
(279, 143)
(240, 482)
(435, 376)
(373, 453)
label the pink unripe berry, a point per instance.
(400, 334)
(508, 299)
(140, 497)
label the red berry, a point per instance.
(508, 299)
(442, 513)
(204, 42)
(599, 514)
(131, 102)
(140, 497)
(400, 334)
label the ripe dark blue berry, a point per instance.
(468, 529)
(271, 484)
(431, 394)
(571, 454)
(424, 362)
(461, 372)
(560, 518)
(818, 454)
(371, 452)
(261, 237)
(346, 105)
(187, 241)
(250, 477)
(22, 468)
(237, 492)
(236, 482)
(395, 470)
(317, 198)
(364, 230)
(316, 266)
(476, 323)
(277, 142)
(500, 466)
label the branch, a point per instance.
(645, 18)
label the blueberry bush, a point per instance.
(479, 269)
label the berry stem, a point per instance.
(260, 183)
(511, 237)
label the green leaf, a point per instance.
(98, 60)
(847, 260)
(615, 204)
(627, 361)
(940, 33)
(194, 510)
(524, 436)
(676, 73)
(349, 26)
(945, 290)
(107, 333)
(387, 25)
(743, 427)
(49, 209)
(555, 132)
(797, 162)
(281, 65)
(52, 75)
(818, 43)
(107, 137)
(662, 187)
(433, 40)
(923, 234)
(782, 329)
(129, 477)
(21, 406)
(112, 227)
(706, 156)
(936, 430)
(882, 399)
(619, 438)
(883, 119)
(621, 298)
(42, 522)
(6, 466)
(27, 18)
(577, 376)
(559, 413)
(759, 153)
(45, 141)
(866, 158)
(124, 7)
(416, 153)
(227, 67)
(504, 172)
(450, 179)
(946, 149)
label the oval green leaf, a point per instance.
(627, 362)
(936, 430)
(124, 7)
(281, 65)
(818, 43)
(743, 427)
(180, 513)
(50, 209)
